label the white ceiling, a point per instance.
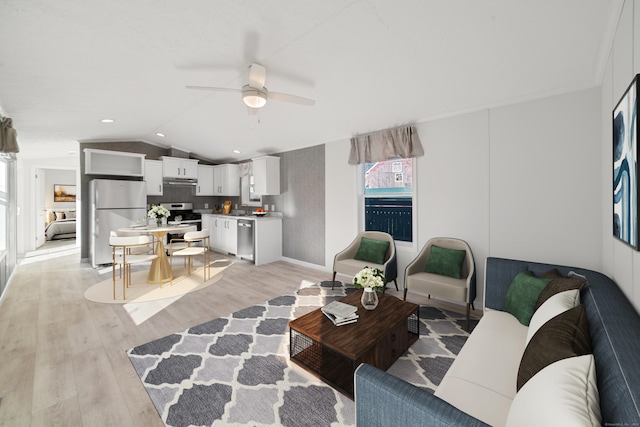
(369, 64)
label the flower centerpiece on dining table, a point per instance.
(158, 212)
(370, 280)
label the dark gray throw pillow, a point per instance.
(563, 336)
(559, 283)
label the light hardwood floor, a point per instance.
(63, 360)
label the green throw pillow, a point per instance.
(372, 250)
(447, 262)
(522, 295)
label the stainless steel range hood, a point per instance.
(180, 181)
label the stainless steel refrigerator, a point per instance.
(113, 204)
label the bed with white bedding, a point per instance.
(61, 229)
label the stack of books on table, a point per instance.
(340, 313)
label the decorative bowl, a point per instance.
(259, 213)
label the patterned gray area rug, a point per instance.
(235, 370)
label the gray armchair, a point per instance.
(418, 281)
(345, 263)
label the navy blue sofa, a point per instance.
(384, 400)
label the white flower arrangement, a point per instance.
(369, 278)
(158, 212)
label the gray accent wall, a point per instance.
(302, 201)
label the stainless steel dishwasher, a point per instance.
(245, 239)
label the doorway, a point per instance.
(55, 209)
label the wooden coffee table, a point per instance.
(333, 353)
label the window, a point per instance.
(4, 204)
(8, 240)
(388, 198)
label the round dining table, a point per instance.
(160, 269)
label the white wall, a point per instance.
(341, 200)
(620, 262)
(522, 181)
(545, 180)
(453, 185)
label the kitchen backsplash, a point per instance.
(179, 194)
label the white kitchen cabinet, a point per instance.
(176, 167)
(232, 236)
(224, 234)
(266, 175)
(209, 224)
(267, 236)
(267, 241)
(205, 181)
(118, 163)
(153, 177)
(226, 180)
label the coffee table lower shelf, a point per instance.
(337, 369)
(330, 366)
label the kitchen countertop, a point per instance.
(268, 216)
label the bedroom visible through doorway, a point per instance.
(55, 203)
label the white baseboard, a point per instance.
(307, 264)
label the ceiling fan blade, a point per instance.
(215, 89)
(277, 96)
(257, 75)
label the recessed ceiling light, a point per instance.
(160, 134)
(236, 151)
(107, 120)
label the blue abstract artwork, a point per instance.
(625, 161)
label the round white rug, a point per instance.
(141, 291)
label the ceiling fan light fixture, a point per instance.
(254, 98)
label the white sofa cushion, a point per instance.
(482, 379)
(557, 304)
(565, 393)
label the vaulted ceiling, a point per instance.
(368, 64)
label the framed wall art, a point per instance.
(64, 193)
(625, 166)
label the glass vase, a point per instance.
(369, 299)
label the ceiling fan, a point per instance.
(254, 94)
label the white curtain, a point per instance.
(401, 142)
(246, 169)
(8, 137)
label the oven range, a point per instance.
(182, 212)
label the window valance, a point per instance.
(401, 142)
(8, 136)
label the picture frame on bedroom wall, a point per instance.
(625, 166)
(64, 193)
